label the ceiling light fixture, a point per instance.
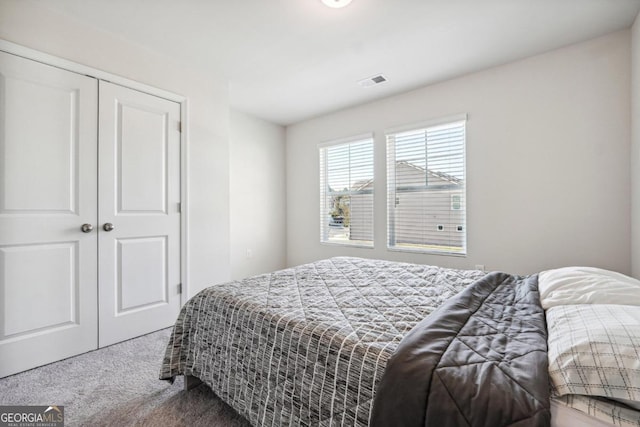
(336, 3)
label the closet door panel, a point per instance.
(48, 182)
(142, 146)
(139, 182)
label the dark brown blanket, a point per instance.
(479, 360)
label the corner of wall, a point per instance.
(257, 195)
(635, 148)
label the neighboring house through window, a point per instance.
(426, 187)
(346, 191)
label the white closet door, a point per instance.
(48, 180)
(139, 186)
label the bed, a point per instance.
(314, 345)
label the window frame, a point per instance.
(323, 172)
(391, 192)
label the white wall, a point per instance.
(258, 202)
(35, 27)
(548, 146)
(635, 148)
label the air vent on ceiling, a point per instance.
(373, 81)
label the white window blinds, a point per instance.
(426, 188)
(346, 192)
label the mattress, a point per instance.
(306, 345)
(599, 412)
(565, 416)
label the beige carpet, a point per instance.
(119, 386)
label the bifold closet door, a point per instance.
(139, 213)
(48, 209)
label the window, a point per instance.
(426, 187)
(346, 192)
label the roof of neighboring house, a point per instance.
(441, 175)
(363, 184)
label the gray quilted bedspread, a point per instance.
(307, 345)
(479, 360)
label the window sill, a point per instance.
(426, 251)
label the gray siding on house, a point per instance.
(361, 227)
(419, 209)
(418, 214)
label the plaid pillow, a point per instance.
(594, 349)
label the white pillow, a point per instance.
(587, 285)
(594, 350)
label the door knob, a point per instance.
(86, 228)
(108, 226)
